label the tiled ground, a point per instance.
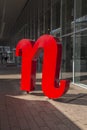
(34, 111)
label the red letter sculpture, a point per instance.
(51, 86)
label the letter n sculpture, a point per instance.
(52, 48)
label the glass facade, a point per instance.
(67, 16)
(66, 19)
(81, 58)
(81, 14)
(67, 69)
(56, 6)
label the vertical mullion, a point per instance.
(74, 39)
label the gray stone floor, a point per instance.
(19, 111)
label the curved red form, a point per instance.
(51, 86)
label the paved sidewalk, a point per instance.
(34, 111)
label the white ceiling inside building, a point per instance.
(9, 12)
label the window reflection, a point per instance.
(81, 58)
(67, 57)
(47, 21)
(56, 15)
(81, 14)
(67, 16)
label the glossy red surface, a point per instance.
(52, 48)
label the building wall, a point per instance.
(66, 19)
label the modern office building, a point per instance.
(64, 19)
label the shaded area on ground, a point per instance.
(32, 114)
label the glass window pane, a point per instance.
(67, 57)
(81, 14)
(67, 16)
(47, 21)
(81, 58)
(56, 15)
